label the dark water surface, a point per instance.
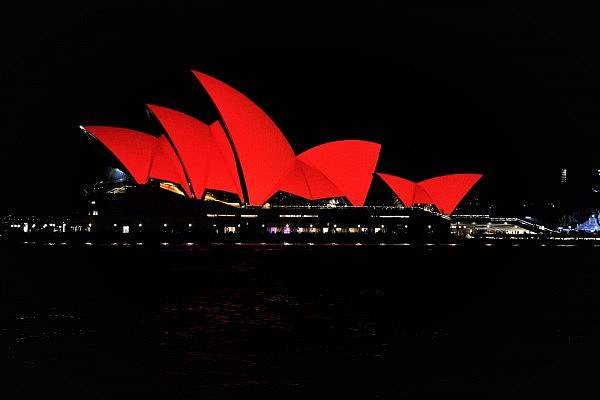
(275, 321)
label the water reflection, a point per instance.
(271, 321)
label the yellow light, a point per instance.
(171, 188)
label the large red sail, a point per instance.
(264, 154)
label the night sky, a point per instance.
(501, 88)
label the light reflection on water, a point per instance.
(276, 320)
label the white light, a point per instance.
(165, 225)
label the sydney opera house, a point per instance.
(239, 175)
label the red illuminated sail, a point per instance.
(165, 166)
(421, 196)
(201, 149)
(191, 139)
(449, 190)
(444, 191)
(143, 156)
(349, 164)
(403, 188)
(223, 170)
(308, 182)
(264, 154)
(132, 148)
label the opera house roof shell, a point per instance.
(244, 153)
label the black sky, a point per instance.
(507, 89)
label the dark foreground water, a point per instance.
(243, 321)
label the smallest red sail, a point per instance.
(403, 188)
(449, 190)
(445, 192)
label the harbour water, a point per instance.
(293, 321)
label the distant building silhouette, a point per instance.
(563, 176)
